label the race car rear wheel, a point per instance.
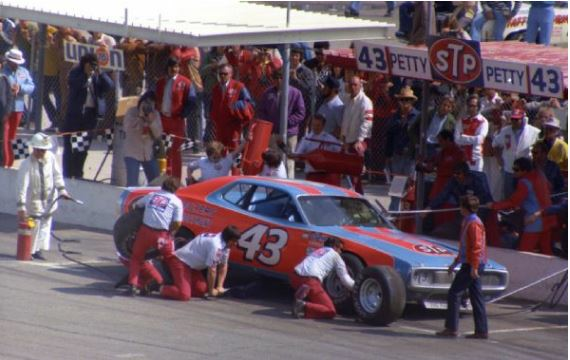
(340, 295)
(380, 295)
(125, 230)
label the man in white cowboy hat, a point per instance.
(21, 84)
(558, 148)
(40, 182)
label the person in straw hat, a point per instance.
(39, 183)
(21, 84)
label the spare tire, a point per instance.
(125, 230)
(340, 295)
(379, 295)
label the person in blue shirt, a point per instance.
(21, 84)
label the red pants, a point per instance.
(174, 126)
(147, 273)
(318, 303)
(147, 239)
(530, 241)
(11, 124)
(228, 134)
(187, 282)
(325, 178)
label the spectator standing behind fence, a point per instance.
(332, 106)
(303, 79)
(531, 194)
(257, 72)
(438, 120)
(512, 142)
(142, 127)
(51, 81)
(540, 22)
(557, 147)
(268, 109)
(85, 105)
(400, 142)
(21, 84)
(175, 96)
(356, 123)
(491, 166)
(134, 51)
(231, 109)
(385, 106)
(500, 11)
(550, 169)
(6, 103)
(470, 133)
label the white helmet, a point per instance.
(40, 141)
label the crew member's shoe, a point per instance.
(477, 336)
(298, 308)
(38, 255)
(446, 333)
(133, 291)
(149, 288)
(302, 292)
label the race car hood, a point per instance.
(416, 251)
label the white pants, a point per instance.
(41, 234)
(494, 177)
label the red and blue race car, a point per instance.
(284, 220)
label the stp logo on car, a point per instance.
(456, 61)
(432, 249)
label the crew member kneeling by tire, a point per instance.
(162, 218)
(206, 251)
(308, 277)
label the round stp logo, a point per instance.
(432, 249)
(455, 60)
(103, 56)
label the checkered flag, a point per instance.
(106, 137)
(186, 145)
(20, 149)
(167, 141)
(80, 141)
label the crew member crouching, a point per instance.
(206, 251)
(307, 278)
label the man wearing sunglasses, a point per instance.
(231, 108)
(512, 142)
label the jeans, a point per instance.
(150, 168)
(539, 19)
(498, 27)
(508, 184)
(462, 282)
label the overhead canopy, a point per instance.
(195, 23)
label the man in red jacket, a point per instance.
(472, 256)
(231, 108)
(175, 95)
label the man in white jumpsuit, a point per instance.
(40, 182)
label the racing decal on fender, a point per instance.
(432, 250)
(455, 60)
(268, 253)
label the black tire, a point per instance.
(183, 236)
(125, 230)
(341, 296)
(379, 295)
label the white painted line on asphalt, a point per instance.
(417, 329)
(129, 356)
(554, 327)
(64, 264)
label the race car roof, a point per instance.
(196, 23)
(511, 51)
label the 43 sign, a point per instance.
(266, 252)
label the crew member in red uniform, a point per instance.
(162, 217)
(206, 251)
(175, 96)
(531, 194)
(310, 297)
(472, 256)
(470, 134)
(231, 108)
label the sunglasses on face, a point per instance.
(224, 73)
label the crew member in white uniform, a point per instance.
(162, 218)
(310, 297)
(40, 182)
(206, 251)
(318, 139)
(470, 134)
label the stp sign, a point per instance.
(456, 61)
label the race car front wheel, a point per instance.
(379, 295)
(341, 296)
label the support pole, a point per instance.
(284, 99)
(41, 42)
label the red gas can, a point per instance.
(260, 132)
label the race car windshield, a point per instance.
(339, 211)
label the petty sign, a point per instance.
(456, 61)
